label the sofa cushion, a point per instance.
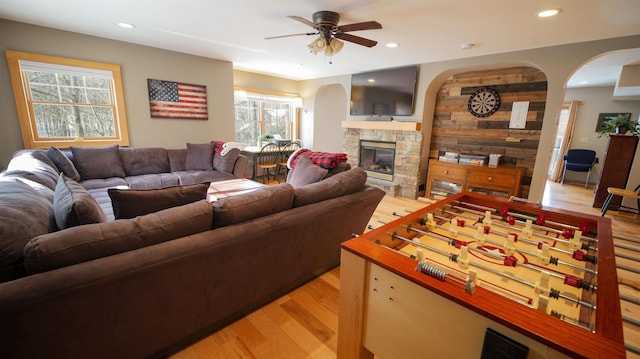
(199, 157)
(306, 172)
(63, 163)
(81, 244)
(24, 214)
(254, 204)
(35, 166)
(225, 163)
(154, 181)
(142, 161)
(98, 162)
(74, 206)
(130, 203)
(338, 185)
(177, 159)
(191, 177)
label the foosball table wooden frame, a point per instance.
(391, 309)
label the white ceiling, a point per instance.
(427, 30)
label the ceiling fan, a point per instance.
(329, 33)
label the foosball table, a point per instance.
(476, 276)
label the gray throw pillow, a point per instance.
(306, 172)
(130, 203)
(98, 162)
(74, 206)
(200, 157)
(63, 163)
(227, 162)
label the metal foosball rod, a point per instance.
(584, 245)
(553, 293)
(576, 254)
(633, 240)
(525, 217)
(510, 260)
(518, 215)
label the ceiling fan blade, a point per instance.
(304, 21)
(279, 36)
(358, 40)
(367, 25)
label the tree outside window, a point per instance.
(64, 102)
(264, 115)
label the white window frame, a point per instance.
(266, 96)
(21, 62)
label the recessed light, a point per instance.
(584, 82)
(126, 25)
(550, 12)
(466, 46)
(393, 44)
(371, 81)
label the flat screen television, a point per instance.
(384, 93)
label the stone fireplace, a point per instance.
(389, 151)
(377, 158)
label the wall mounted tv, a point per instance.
(384, 93)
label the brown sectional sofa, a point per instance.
(146, 286)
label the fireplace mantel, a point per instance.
(383, 125)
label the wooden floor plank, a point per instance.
(303, 324)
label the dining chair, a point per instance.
(579, 160)
(285, 152)
(267, 160)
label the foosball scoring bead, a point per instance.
(504, 211)
(510, 261)
(511, 220)
(542, 218)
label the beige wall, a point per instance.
(557, 62)
(596, 100)
(138, 63)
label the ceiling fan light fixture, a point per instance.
(334, 47)
(317, 45)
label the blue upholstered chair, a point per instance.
(579, 161)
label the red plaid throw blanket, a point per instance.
(326, 160)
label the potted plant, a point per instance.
(619, 125)
(264, 139)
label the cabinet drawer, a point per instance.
(498, 179)
(448, 172)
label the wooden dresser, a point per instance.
(616, 167)
(445, 179)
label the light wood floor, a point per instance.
(304, 323)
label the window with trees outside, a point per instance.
(63, 102)
(259, 115)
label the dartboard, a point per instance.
(484, 102)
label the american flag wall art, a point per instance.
(177, 100)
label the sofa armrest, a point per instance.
(240, 166)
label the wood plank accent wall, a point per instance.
(455, 129)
